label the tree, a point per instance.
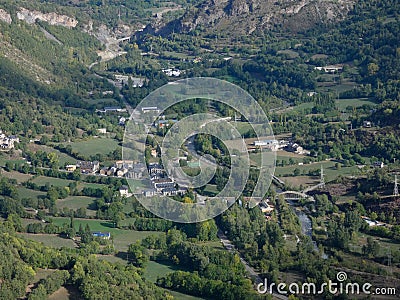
(138, 254)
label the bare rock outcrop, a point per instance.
(30, 16)
(5, 16)
(245, 16)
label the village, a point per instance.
(7, 142)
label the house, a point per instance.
(122, 121)
(14, 138)
(153, 109)
(102, 130)
(169, 191)
(155, 169)
(161, 181)
(172, 72)
(161, 186)
(370, 222)
(105, 93)
(367, 124)
(88, 167)
(7, 142)
(124, 80)
(136, 172)
(124, 191)
(330, 68)
(104, 171)
(70, 168)
(265, 207)
(150, 193)
(296, 148)
(102, 235)
(378, 164)
(114, 109)
(137, 82)
(164, 123)
(273, 145)
(121, 172)
(124, 164)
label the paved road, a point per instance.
(231, 248)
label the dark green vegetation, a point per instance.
(51, 85)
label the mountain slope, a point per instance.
(246, 16)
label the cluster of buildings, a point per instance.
(172, 72)
(124, 168)
(161, 183)
(112, 109)
(121, 168)
(330, 68)
(86, 167)
(275, 145)
(372, 223)
(121, 80)
(102, 235)
(7, 142)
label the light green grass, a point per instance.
(122, 238)
(155, 269)
(19, 177)
(180, 296)
(357, 102)
(42, 180)
(5, 158)
(329, 169)
(92, 185)
(62, 157)
(112, 259)
(50, 240)
(27, 193)
(385, 244)
(74, 202)
(95, 146)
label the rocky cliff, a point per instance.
(5, 16)
(52, 18)
(246, 16)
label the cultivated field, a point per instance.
(94, 146)
(51, 240)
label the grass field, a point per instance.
(63, 158)
(357, 102)
(180, 296)
(27, 193)
(329, 170)
(385, 244)
(92, 185)
(281, 155)
(51, 240)
(95, 146)
(75, 202)
(4, 158)
(122, 238)
(20, 177)
(112, 259)
(155, 269)
(42, 180)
